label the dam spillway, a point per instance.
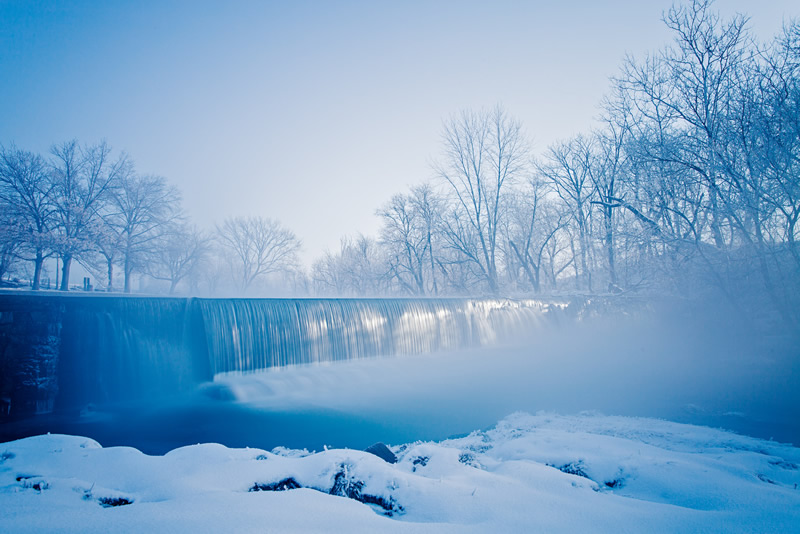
(62, 352)
(252, 334)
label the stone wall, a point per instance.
(30, 337)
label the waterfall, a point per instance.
(251, 334)
(63, 352)
(122, 348)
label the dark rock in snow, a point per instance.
(419, 461)
(283, 485)
(33, 482)
(345, 485)
(574, 468)
(109, 502)
(383, 452)
(467, 458)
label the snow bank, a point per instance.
(540, 472)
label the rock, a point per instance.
(383, 452)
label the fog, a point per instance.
(712, 372)
(358, 159)
(682, 363)
(249, 109)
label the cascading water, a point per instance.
(118, 349)
(105, 349)
(251, 334)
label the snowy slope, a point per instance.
(530, 473)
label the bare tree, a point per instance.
(779, 125)
(567, 167)
(141, 210)
(409, 224)
(26, 190)
(404, 243)
(329, 277)
(703, 65)
(101, 259)
(83, 178)
(606, 172)
(484, 154)
(357, 269)
(429, 206)
(214, 270)
(10, 240)
(532, 223)
(556, 258)
(706, 151)
(259, 246)
(179, 253)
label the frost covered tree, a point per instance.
(608, 171)
(258, 246)
(485, 153)
(778, 127)
(711, 152)
(178, 254)
(408, 236)
(357, 269)
(83, 179)
(567, 166)
(29, 212)
(10, 240)
(532, 223)
(141, 210)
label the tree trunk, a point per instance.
(551, 263)
(537, 272)
(433, 268)
(127, 278)
(716, 228)
(493, 287)
(612, 270)
(792, 242)
(37, 270)
(778, 302)
(533, 278)
(575, 262)
(67, 262)
(110, 286)
(587, 275)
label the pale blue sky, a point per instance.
(311, 112)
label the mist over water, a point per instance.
(682, 363)
(700, 369)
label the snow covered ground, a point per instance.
(529, 473)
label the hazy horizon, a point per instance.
(311, 113)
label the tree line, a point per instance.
(689, 183)
(83, 203)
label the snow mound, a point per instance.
(541, 472)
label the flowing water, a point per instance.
(161, 373)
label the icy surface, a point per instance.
(530, 473)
